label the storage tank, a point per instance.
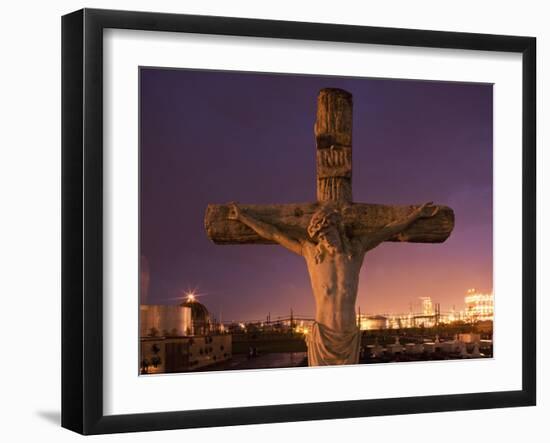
(163, 320)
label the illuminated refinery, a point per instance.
(184, 337)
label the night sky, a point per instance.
(213, 137)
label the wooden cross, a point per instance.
(332, 235)
(333, 134)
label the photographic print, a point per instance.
(277, 202)
(292, 220)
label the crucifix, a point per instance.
(333, 234)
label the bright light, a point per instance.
(479, 306)
(190, 296)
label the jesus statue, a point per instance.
(334, 258)
(332, 234)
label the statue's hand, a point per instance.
(234, 211)
(427, 210)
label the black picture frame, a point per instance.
(82, 219)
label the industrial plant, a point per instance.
(180, 338)
(184, 338)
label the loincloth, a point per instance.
(326, 346)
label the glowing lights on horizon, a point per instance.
(192, 295)
(479, 306)
(301, 329)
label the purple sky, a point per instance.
(214, 137)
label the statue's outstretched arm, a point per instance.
(265, 230)
(395, 227)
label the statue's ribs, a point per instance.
(359, 219)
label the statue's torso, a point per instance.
(334, 281)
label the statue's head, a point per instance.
(326, 228)
(325, 224)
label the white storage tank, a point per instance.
(163, 320)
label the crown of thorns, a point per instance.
(321, 219)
